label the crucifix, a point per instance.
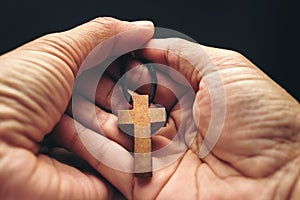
(142, 121)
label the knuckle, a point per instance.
(180, 50)
(231, 58)
(176, 44)
(50, 37)
(106, 21)
(235, 54)
(176, 41)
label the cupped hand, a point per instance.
(256, 155)
(36, 83)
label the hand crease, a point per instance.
(170, 177)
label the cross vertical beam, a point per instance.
(140, 120)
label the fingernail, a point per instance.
(143, 23)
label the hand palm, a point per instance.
(255, 148)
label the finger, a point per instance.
(98, 120)
(138, 78)
(186, 57)
(102, 91)
(105, 123)
(107, 157)
(94, 41)
(102, 97)
(100, 154)
(109, 95)
(64, 156)
(40, 176)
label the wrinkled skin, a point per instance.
(256, 157)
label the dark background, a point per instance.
(264, 31)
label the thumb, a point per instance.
(40, 75)
(187, 58)
(105, 36)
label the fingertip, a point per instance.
(103, 37)
(144, 23)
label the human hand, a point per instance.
(36, 83)
(256, 155)
(227, 175)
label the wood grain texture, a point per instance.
(140, 120)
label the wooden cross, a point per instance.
(142, 121)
